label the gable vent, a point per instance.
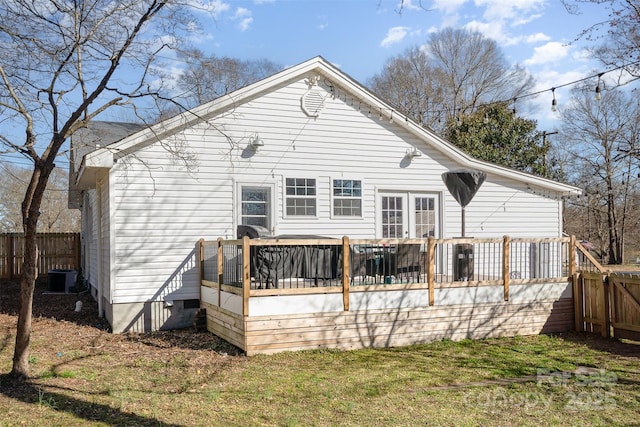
(312, 102)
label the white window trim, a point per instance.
(284, 197)
(333, 216)
(237, 202)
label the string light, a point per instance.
(335, 92)
(598, 90)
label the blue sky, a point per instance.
(360, 35)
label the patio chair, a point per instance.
(408, 265)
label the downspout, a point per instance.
(99, 248)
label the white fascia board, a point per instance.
(101, 158)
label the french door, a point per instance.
(408, 215)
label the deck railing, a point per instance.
(276, 266)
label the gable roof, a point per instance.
(104, 157)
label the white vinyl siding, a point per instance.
(160, 210)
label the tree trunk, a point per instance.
(30, 213)
(27, 286)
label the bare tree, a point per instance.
(596, 133)
(616, 36)
(63, 63)
(454, 73)
(207, 77)
(55, 215)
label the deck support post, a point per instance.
(431, 268)
(246, 274)
(200, 251)
(506, 256)
(220, 267)
(346, 268)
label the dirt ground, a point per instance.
(55, 320)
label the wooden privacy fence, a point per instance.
(607, 302)
(55, 251)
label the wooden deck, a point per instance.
(354, 310)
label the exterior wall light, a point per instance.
(413, 153)
(256, 141)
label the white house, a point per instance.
(305, 151)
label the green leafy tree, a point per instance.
(496, 135)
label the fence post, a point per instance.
(572, 256)
(431, 268)
(200, 247)
(506, 274)
(220, 267)
(577, 286)
(577, 302)
(346, 268)
(11, 253)
(246, 274)
(77, 249)
(606, 317)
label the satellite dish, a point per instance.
(463, 184)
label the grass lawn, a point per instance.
(82, 375)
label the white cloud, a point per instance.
(394, 35)
(525, 19)
(214, 7)
(492, 30)
(510, 10)
(537, 37)
(549, 52)
(449, 6)
(410, 5)
(497, 18)
(323, 23)
(245, 18)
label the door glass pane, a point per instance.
(255, 206)
(425, 217)
(392, 218)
